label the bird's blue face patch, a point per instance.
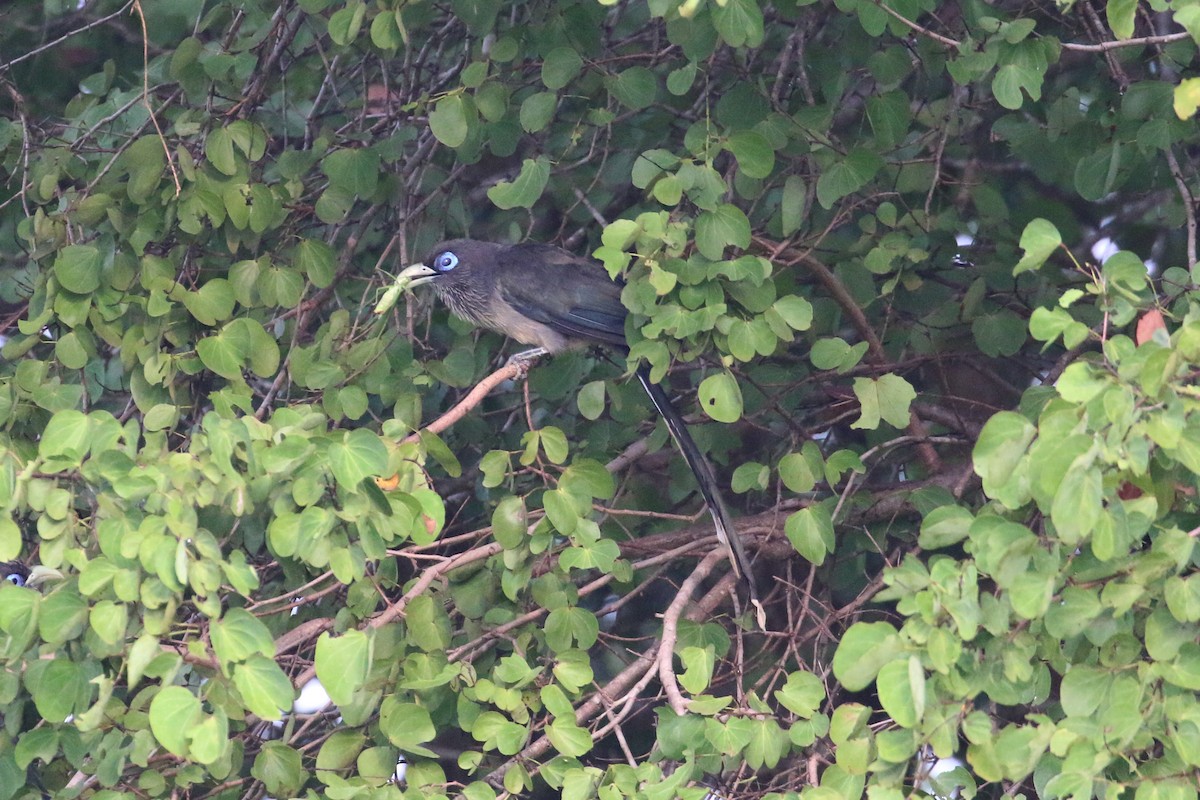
(15, 579)
(445, 262)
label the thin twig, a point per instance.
(137, 6)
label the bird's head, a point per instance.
(18, 574)
(451, 262)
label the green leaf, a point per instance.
(750, 476)
(740, 22)
(890, 118)
(525, 190)
(888, 397)
(721, 397)
(341, 749)
(428, 625)
(407, 725)
(173, 712)
(590, 400)
(58, 688)
(791, 207)
(1038, 241)
(1120, 16)
(346, 23)
(479, 16)
(797, 474)
(589, 479)
(497, 733)
(70, 351)
(802, 694)
(38, 743)
(77, 268)
(316, 260)
(901, 685)
(279, 767)
(679, 81)
(999, 334)
(864, 649)
(450, 120)
(796, 311)
(359, 455)
(1096, 174)
(560, 510)
(342, 663)
(1002, 443)
(1079, 501)
(537, 110)
(767, 744)
(355, 171)
(810, 530)
(438, 450)
(222, 354)
(266, 691)
(847, 176)
(494, 465)
(568, 738)
(561, 66)
(332, 206)
(509, 522)
(835, 353)
(754, 154)
(725, 226)
(571, 625)
(66, 436)
(698, 664)
(108, 620)
(239, 635)
(1186, 98)
(634, 88)
(554, 444)
(386, 33)
(218, 149)
(212, 303)
(144, 161)
(944, 526)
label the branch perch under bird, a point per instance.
(543, 296)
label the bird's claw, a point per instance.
(524, 360)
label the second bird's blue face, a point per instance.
(445, 262)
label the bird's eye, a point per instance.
(15, 579)
(446, 262)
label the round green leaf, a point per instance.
(561, 66)
(173, 712)
(537, 110)
(863, 650)
(721, 397)
(77, 268)
(754, 154)
(635, 87)
(449, 120)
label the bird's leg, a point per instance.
(524, 359)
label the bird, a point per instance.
(554, 300)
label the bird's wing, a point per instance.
(573, 296)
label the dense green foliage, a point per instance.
(862, 247)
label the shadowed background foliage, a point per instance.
(921, 275)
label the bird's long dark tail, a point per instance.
(707, 480)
